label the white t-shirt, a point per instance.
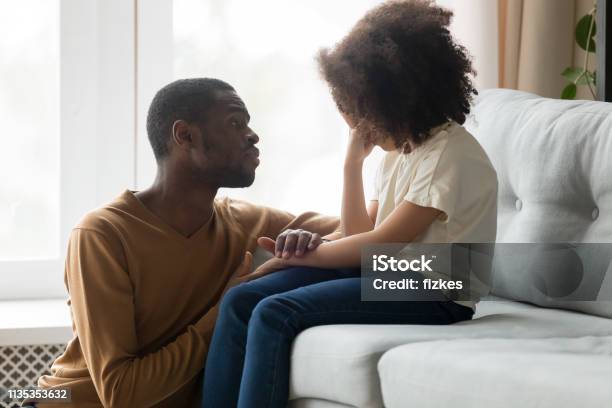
(450, 172)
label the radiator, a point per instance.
(21, 366)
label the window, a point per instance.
(266, 49)
(29, 108)
(77, 77)
(67, 115)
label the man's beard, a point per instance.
(237, 178)
(227, 177)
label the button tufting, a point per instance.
(518, 205)
(595, 213)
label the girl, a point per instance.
(402, 83)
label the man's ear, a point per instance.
(181, 134)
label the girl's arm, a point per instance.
(372, 213)
(404, 224)
(355, 217)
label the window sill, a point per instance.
(45, 321)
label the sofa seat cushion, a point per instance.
(315, 403)
(338, 362)
(499, 373)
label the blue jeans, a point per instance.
(248, 360)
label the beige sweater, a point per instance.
(142, 299)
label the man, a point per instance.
(145, 273)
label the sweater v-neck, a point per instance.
(154, 219)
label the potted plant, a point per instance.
(585, 38)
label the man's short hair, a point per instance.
(184, 99)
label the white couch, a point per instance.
(522, 349)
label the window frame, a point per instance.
(97, 82)
(114, 56)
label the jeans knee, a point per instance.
(239, 301)
(274, 312)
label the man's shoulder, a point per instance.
(252, 219)
(108, 217)
(242, 210)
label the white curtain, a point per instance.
(521, 44)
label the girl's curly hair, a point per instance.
(400, 71)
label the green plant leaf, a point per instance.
(594, 77)
(577, 76)
(590, 77)
(582, 33)
(569, 92)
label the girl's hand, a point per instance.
(360, 145)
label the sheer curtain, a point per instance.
(537, 44)
(521, 44)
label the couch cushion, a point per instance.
(338, 362)
(569, 276)
(315, 403)
(499, 373)
(552, 159)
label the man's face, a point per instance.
(224, 151)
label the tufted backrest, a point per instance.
(554, 164)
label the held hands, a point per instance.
(288, 244)
(291, 243)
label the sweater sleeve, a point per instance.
(261, 221)
(102, 302)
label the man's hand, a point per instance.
(291, 243)
(271, 265)
(242, 273)
(245, 272)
